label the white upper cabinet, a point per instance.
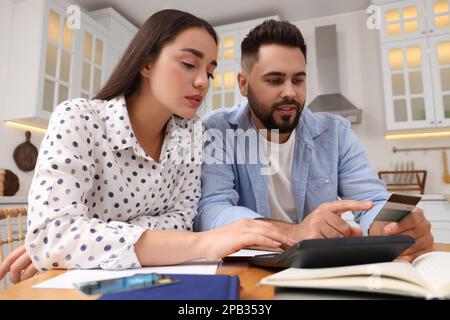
(120, 34)
(408, 87)
(403, 20)
(224, 90)
(440, 67)
(92, 59)
(40, 69)
(58, 51)
(229, 47)
(415, 49)
(51, 60)
(414, 18)
(438, 16)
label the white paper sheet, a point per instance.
(249, 253)
(66, 280)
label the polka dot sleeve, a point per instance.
(61, 230)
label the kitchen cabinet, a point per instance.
(438, 20)
(403, 20)
(50, 61)
(410, 19)
(120, 34)
(415, 50)
(440, 69)
(92, 60)
(437, 210)
(224, 90)
(408, 87)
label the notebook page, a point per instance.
(434, 267)
(250, 253)
(397, 269)
(356, 283)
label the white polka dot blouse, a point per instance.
(95, 190)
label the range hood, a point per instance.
(330, 99)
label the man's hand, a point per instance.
(325, 222)
(19, 266)
(415, 225)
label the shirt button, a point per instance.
(327, 180)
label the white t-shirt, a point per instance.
(280, 195)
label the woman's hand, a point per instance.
(19, 266)
(240, 234)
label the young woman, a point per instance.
(110, 182)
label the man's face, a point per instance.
(276, 87)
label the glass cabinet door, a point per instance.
(229, 48)
(403, 20)
(438, 16)
(58, 53)
(92, 67)
(440, 65)
(224, 89)
(407, 83)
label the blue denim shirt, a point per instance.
(328, 163)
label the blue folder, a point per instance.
(190, 287)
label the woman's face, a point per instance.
(179, 77)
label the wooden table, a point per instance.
(249, 277)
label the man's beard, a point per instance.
(289, 123)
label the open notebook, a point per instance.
(427, 277)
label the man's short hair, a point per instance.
(269, 32)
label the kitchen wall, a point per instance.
(10, 137)
(361, 82)
(5, 22)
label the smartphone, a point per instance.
(397, 207)
(137, 281)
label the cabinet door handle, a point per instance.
(424, 32)
(432, 122)
(440, 122)
(431, 31)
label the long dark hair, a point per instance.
(160, 28)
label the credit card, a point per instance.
(397, 207)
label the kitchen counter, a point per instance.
(13, 200)
(432, 197)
